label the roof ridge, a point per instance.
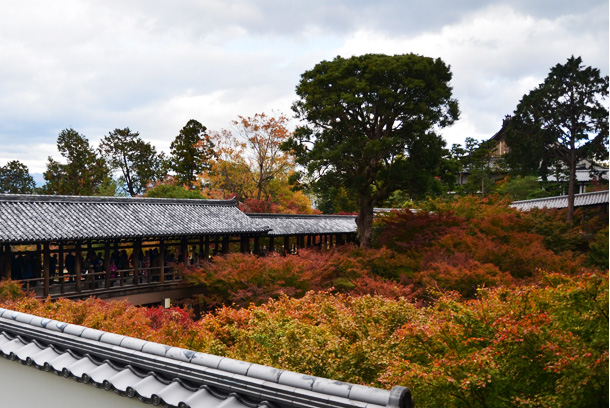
(282, 215)
(560, 197)
(108, 199)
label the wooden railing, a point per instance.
(65, 284)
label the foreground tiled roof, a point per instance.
(169, 376)
(38, 218)
(580, 200)
(300, 224)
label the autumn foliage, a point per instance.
(530, 346)
(468, 303)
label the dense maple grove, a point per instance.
(469, 303)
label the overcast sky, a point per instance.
(152, 65)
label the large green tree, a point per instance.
(191, 152)
(371, 126)
(84, 173)
(138, 161)
(560, 123)
(15, 178)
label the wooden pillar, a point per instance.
(244, 246)
(60, 261)
(217, 245)
(201, 248)
(340, 239)
(330, 241)
(271, 244)
(162, 261)
(45, 268)
(286, 245)
(78, 266)
(60, 267)
(7, 259)
(257, 245)
(184, 251)
(38, 262)
(225, 244)
(135, 258)
(206, 251)
(107, 263)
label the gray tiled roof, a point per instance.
(580, 200)
(170, 376)
(38, 218)
(298, 224)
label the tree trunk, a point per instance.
(571, 184)
(364, 222)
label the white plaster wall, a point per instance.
(27, 387)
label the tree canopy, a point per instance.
(560, 123)
(371, 126)
(138, 161)
(251, 166)
(191, 152)
(15, 178)
(85, 173)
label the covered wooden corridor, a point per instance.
(75, 247)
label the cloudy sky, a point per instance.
(152, 65)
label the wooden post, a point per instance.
(184, 251)
(308, 241)
(286, 244)
(38, 263)
(206, 251)
(60, 267)
(257, 245)
(244, 246)
(135, 258)
(201, 248)
(107, 263)
(78, 266)
(271, 244)
(225, 244)
(45, 268)
(7, 259)
(162, 261)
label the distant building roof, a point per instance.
(169, 376)
(301, 224)
(580, 200)
(39, 218)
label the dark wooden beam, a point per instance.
(162, 261)
(45, 268)
(78, 265)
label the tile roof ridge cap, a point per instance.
(34, 198)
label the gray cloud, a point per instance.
(153, 65)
